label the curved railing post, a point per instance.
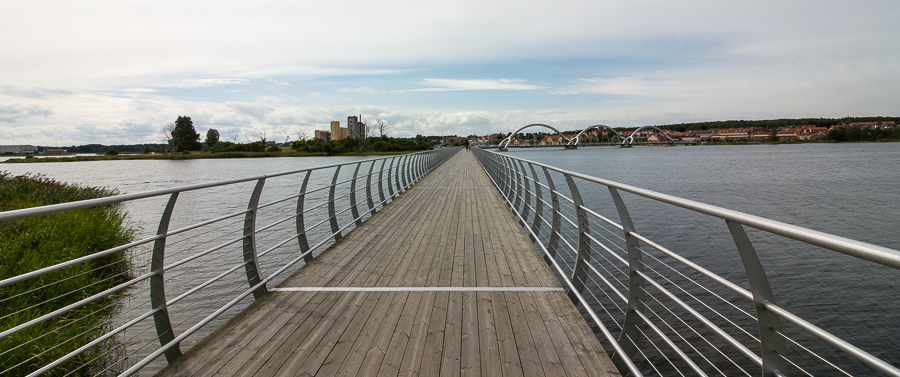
(526, 208)
(397, 175)
(353, 209)
(389, 184)
(380, 180)
(556, 221)
(507, 180)
(518, 183)
(301, 228)
(164, 331)
(404, 173)
(417, 167)
(538, 205)
(332, 214)
(369, 202)
(636, 295)
(251, 263)
(579, 271)
(772, 348)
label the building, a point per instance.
(356, 129)
(18, 149)
(338, 132)
(323, 135)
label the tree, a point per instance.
(212, 137)
(184, 134)
(380, 126)
(168, 130)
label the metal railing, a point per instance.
(654, 309)
(200, 266)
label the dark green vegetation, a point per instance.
(42, 241)
(376, 144)
(852, 134)
(774, 123)
(100, 148)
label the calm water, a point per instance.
(849, 190)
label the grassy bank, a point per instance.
(42, 241)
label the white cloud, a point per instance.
(443, 85)
(361, 90)
(271, 80)
(10, 113)
(202, 83)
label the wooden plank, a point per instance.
(351, 334)
(528, 356)
(308, 360)
(450, 230)
(373, 358)
(510, 363)
(393, 357)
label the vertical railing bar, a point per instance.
(251, 262)
(526, 209)
(164, 331)
(389, 184)
(539, 204)
(772, 346)
(332, 216)
(579, 270)
(369, 202)
(556, 221)
(354, 210)
(636, 294)
(380, 181)
(301, 227)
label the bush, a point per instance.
(273, 148)
(112, 152)
(37, 242)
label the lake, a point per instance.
(850, 190)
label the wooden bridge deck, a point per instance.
(441, 282)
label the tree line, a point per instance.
(774, 123)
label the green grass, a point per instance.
(42, 241)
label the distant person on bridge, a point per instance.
(467, 145)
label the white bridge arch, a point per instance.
(630, 139)
(574, 141)
(505, 142)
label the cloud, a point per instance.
(202, 83)
(271, 80)
(33, 92)
(255, 110)
(362, 90)
(10, 113)
(444, 85)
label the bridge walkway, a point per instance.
(441, 282)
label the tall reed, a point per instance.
(33, 243)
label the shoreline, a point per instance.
(191, 156)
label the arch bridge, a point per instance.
(505, 142)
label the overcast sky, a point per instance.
(77, 72)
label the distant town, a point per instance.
(366, 133)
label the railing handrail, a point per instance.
(858, 249)
(90, 203)
(509, 176)
(400, 174)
